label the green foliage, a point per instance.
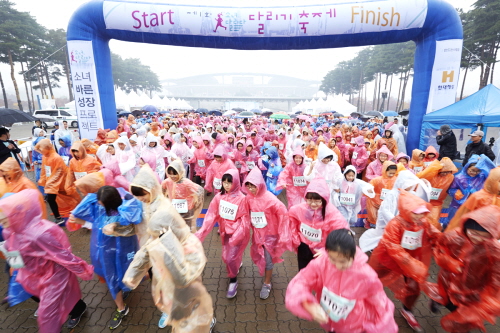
(130, 74)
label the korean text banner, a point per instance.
(307, 20)
(85, 89)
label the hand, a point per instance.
(11, 146)
(438, 132)
(317, 313)
(318, 253)
(337, 190)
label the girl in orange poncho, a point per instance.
(440, 175)
(382, 185)
(101, 137)
(130, 120)
(111, 136)
(403, 256)
(80, 165)
(417, 160)
(90, 147)
(155, 129)
(431, 154)
(311, 151)
(489, 195)
(369, 137)
(332, 144)
(390, 142)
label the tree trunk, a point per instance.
(399, 90)
(463, 83)
(32, 98)
(26, 87)
(379, 91)
(46, 71)
(493, 66)
(67, 70)
(5, 102)
(374, 92)
(389, 94)
(364, 105)
(42, 91)
(12, 75)
(403, 93)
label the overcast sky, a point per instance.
(176, 62)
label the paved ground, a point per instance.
(245, 313)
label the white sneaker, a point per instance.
(163, 320)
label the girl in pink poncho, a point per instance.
(201, 159)
(292, 178)
(250, 155)
(374, 169)
(207, 140)
(360, 155)
(229, 209)
(238, 160)
(349, 296)
(217, 169)
(126, 158)
(269, 219)
(282, 141)
(312, 221)
(48, 269)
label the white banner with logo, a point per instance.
(48, 104)
(445, 73)
(84, 78)
(340, 17)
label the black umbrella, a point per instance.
(374, 114)
(355, 114)
(239, 109)
(137, 113)
(404, 112)
(293, 116)
(338, 115)
(215, 113)
(201, 110)
(267, 113)
(11, 116)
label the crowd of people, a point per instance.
(141, 187)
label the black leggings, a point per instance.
(197, 180)
(51, 199)
(304, 255)
(77, 311)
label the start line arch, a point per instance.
(433, 25)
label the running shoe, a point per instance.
(434, 306)
(232, 290)
(212, 324)
(265, 291)
(117, 318)
(410, 319)
(163, 320)
(72, 322)
(59, 221)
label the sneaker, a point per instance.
(434, 306)
(410, 319)
(36, 313)
(212, 324)
(72, 322)
(117, 318)
(241, 265)
(232, 290)
(59, 221)
(163, 320)
(265, 291)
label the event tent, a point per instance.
(479, 109)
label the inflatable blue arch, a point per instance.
(433, 25)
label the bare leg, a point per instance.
(119, 301)
(267, 276)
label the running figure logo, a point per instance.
(219, 22)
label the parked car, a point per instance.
(48, 117)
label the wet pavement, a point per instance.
(245, 313)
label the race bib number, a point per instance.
(384, 193)
(353, 142)
(314, 235)
(228, 210)
(238, 164)
(281, 146)
(48, 171)
(259, 220)
(201, 163)
(79, 175)
(269, 175)
(354, 155)
(412, 240)
(348, 199)
(217, 183)
(418, 169)
(250, 165)
(435, 193)
(299, 181)
(426, 164)
(181, 205)
(265, 157)
(65, 159)
(335, 306)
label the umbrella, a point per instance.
(279, 115)
(304, 117)
(298, 112)
(338, 115)
(267, 113)
(11, 116)
(390, 113)
(404, 112)
(164, 112)
(150, 108)
(246, 114)
(257, 111)
(355, 114)
(215, 113)
(374, 114)
(201, 110)
(293, 116)
(137, 113)
(229, 113)
(239, 109)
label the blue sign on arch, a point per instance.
(433, 25)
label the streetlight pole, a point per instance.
(384, 96)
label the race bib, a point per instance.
(79, 175)
(14, 258)
(269, 175)
(418, 169)
(348, 199)
(299, 181)
(238, 164)
(181, 205)
(217, 183)
(353, 142)
(435, 193)
(228, 210)
(281, 146)
(314, 235)
(259, 220)
(265, 157)
(412, 239)
(335, 306)
(201, 163)
(48, 171)
(250, 165)
(384, 193)
(426, 164)
(65, 159)
(354, 155)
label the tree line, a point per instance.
(42, 54)
(382, 64)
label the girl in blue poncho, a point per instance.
(111, 211)
(274, 169)
(469, 180)
(65, 150)
(36, 157)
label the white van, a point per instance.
(48, 117)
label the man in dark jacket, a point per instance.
(7, 147)
(447, 142)
(477, 147)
